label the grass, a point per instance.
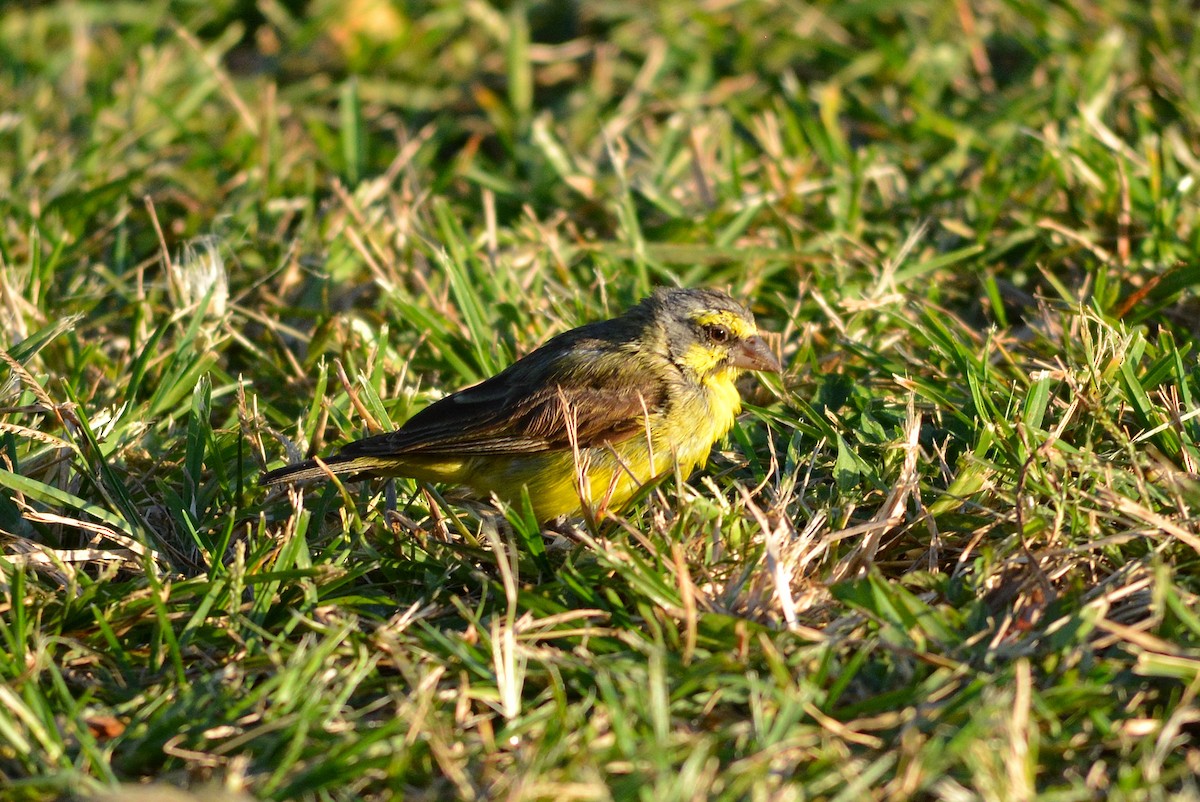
(952, 554)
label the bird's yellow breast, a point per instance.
(562, 482)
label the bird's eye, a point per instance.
(718, 334)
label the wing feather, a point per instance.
(587, 383)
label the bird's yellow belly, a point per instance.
(561, 483)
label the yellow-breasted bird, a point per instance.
(587, 418)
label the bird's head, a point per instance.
(707, 333)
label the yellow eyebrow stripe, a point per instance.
(738, 325)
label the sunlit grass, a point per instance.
(949, 554)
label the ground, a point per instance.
(950, 554)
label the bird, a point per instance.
(585, 420)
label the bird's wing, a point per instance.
(592, 395)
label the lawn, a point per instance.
(949, 554)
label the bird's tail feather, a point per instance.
(310, 469)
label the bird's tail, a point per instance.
(310, 469)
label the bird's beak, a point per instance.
(753, 354)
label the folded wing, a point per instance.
(594, 395)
